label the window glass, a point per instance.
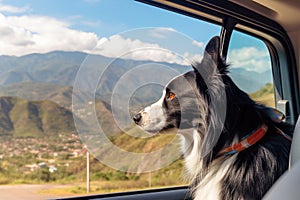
(65, 66)
(251, 67)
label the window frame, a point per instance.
(171, 193)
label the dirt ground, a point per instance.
(27, 192)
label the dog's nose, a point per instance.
(137, 118)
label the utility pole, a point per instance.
(87, 170)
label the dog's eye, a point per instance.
(170, 96)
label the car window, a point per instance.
(251, 67)
(65, 68)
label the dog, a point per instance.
(235, 155)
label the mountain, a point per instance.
(61, 95)
(40, 67)
(32, 75)
(21, 117)
(59, 67)
(250, 81)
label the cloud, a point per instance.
(22, 35)
(250, 58)
(197, 44)
(13, 9)
(118, 46)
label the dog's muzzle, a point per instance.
(151, 118)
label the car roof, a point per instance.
(286, 13)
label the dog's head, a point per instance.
(178, 98)
(186, 99)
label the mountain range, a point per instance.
(60, 68)
(38, 76)
(36, 90)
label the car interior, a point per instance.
(277, 24)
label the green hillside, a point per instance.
(265, 95)
(24, 118)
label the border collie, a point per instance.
(238, 157)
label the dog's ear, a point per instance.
(207, 73)
(211, 58)
(213, 49)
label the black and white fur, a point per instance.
(245, 175)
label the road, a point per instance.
(26, 192)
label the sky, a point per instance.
(116, 28)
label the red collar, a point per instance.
(246, 142)
(256, 135)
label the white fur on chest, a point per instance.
(209, 187)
